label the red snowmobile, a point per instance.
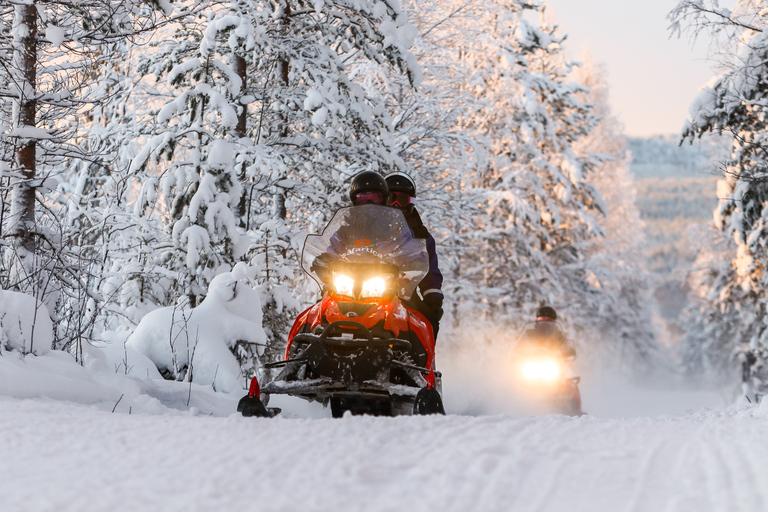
(360, 349)
(541, 377)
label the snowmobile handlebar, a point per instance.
(324, 337)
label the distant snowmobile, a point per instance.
(360, 349)
(541, 379)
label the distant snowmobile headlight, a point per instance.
(374, 287)
(545, 370)
(344, 285)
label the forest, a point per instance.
(153, 154)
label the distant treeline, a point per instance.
(662, 156)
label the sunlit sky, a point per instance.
(652, 78)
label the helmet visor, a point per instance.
(369, 197)
(400, 199)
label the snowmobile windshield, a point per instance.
(368, 234)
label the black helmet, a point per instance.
(368, 182)
(546, 312)
(401, 182)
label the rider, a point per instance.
(368, 187)
(402, 195)
(547, 333)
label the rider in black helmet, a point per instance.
(368, 187)
(546, 332)
(402, 195)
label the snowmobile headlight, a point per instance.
(374, 287)
(544, 370)
(344, 285)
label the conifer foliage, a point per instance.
(508, 148)
(730, 324)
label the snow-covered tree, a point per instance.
(539, 207)
(199, 136)
(52, 56)
(506, 147)
(734, 102)
(712, 347)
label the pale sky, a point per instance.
(652, 78)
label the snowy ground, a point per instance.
(71, 457)
(58, 455)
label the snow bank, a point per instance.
(25, 324)
(198, 341)
(122, 375)
(56, 376)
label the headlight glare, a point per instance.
(374, 287)
(344, 285)
(544, 370)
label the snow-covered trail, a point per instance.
(59, 457)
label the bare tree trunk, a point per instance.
(240, 68)
(22, 214)
(284, 67)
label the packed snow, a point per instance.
(147, 456)
(85, 438)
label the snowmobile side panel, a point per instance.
(423, 331)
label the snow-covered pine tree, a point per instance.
(196, 153)
(735, 102)
(712, 348)
(51, 53)
(490, 133)
(539, 207)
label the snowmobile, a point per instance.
(541, 378)
(360, 349)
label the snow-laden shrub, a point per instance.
(195, 344)
(25, 324)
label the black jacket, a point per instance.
(433, 281)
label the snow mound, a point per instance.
(195, 343)
(25, 324)
(56, 376)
